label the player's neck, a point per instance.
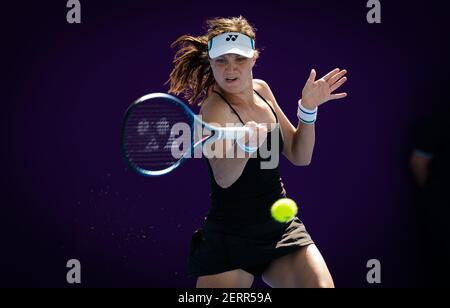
(242, 99)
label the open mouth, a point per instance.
(231, 79)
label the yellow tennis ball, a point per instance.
(284, 210)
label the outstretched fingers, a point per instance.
(336, 86)
(336, 77)
(330, 74)
(338, 96)
(312, 77)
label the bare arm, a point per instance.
(288, 130)
(299, 142)
(303, 142)
(229, 165)
(419, 166)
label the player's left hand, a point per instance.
(317, 92)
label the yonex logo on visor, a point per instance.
(232, 37)
(231, 43)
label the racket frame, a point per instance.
(230, 133)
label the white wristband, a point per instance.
(305, 115)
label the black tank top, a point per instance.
(249, 198)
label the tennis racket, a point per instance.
(151, 134)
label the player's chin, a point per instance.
(232, 87)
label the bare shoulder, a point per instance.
(260, 85)
(263, 88)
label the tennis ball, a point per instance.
(284, 210)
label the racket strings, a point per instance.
(155, 134)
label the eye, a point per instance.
(220, 60)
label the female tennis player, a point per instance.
(239, 239)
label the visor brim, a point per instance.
(219, 51)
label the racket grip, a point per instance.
(235, 132)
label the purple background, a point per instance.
(67, 193)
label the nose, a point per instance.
(230, 66)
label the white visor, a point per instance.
(231, 42)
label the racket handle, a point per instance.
(234, 132)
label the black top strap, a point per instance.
(229, 105)
(273, 111)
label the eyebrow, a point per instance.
(234, 56)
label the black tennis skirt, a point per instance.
(216, 247)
